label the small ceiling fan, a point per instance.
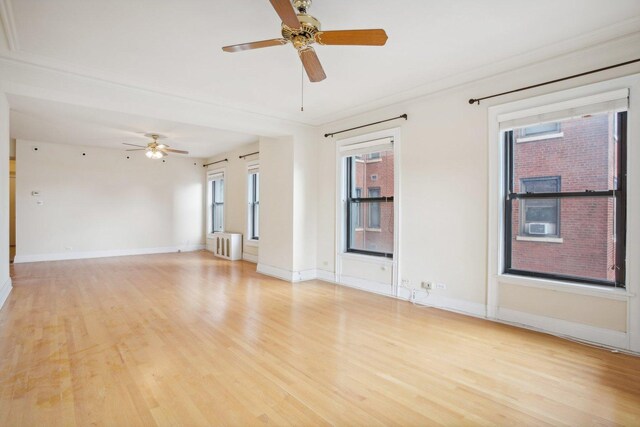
(302, 30)
(154, 150)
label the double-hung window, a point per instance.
(253, 208)
(216, 201)
(369, 203)
(565, 197)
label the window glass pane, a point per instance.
(378, 239)
(541, 129)
(584, 158)
(586, 229)
(378, 174)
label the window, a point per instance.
(253, 192)
(541, 129)
(565, 201)
(373, 210)
(357, 213)
(540, 217)
(374, 156)
(216, 202)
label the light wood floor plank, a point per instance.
(188, 339)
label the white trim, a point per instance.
(564, 328)
(250, 257)
(606, 292)
(287, 275)
(9, 24)
(251, 242)
(4, 291)
(326, 276)
(431, 299)
(540, 239)
(19, 259)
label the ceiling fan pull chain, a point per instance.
(302, 88)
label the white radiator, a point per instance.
(226, 245)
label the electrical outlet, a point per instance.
(441, 286)
(426, 285)
(406, 283)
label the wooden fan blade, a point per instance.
(286, 13)
(312, 64)
(135, 145)
(171, 150)
(352, 37)
(137, 149)
(254, 45)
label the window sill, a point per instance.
(540, 137)
(540, 239)
(568, 287)
(377, 230)
(368, 258)
(379, 159)
(251, 242)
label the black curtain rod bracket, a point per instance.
(213, 163)
(247, 155)
(403, 116)
(477, 100)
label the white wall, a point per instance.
(444, 175)
(235, 181)
(102, 203)
(5, 280)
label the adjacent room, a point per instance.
(297, 212)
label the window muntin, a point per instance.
(253, 192)
(374, 210)
(589, 160)
(216, 187)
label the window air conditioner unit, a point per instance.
(541, 228)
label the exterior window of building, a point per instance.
(253, 192)
(370, 216)
(374, 209)
(540, 217)
(216, 203)
(540, 130)
(565, 201)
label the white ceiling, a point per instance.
(174, 47)
(38, 120)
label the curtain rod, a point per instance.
(247, 155)
(474, 100)
(213, 163)
(403, 116)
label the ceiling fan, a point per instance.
(154, 150)
(302, 30)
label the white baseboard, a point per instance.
(103, 254)
(326, 276)
(250, 257)
(4, 291)
(469, 308)
(565, 328)
(289, 276)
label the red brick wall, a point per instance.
(583, 159)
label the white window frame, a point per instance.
(252, 167)
(631, 339)
(341, 228)
(210, 178)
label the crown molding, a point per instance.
(9, 24)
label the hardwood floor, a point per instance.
(187, 339)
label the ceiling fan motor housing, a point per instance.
(303, 36)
